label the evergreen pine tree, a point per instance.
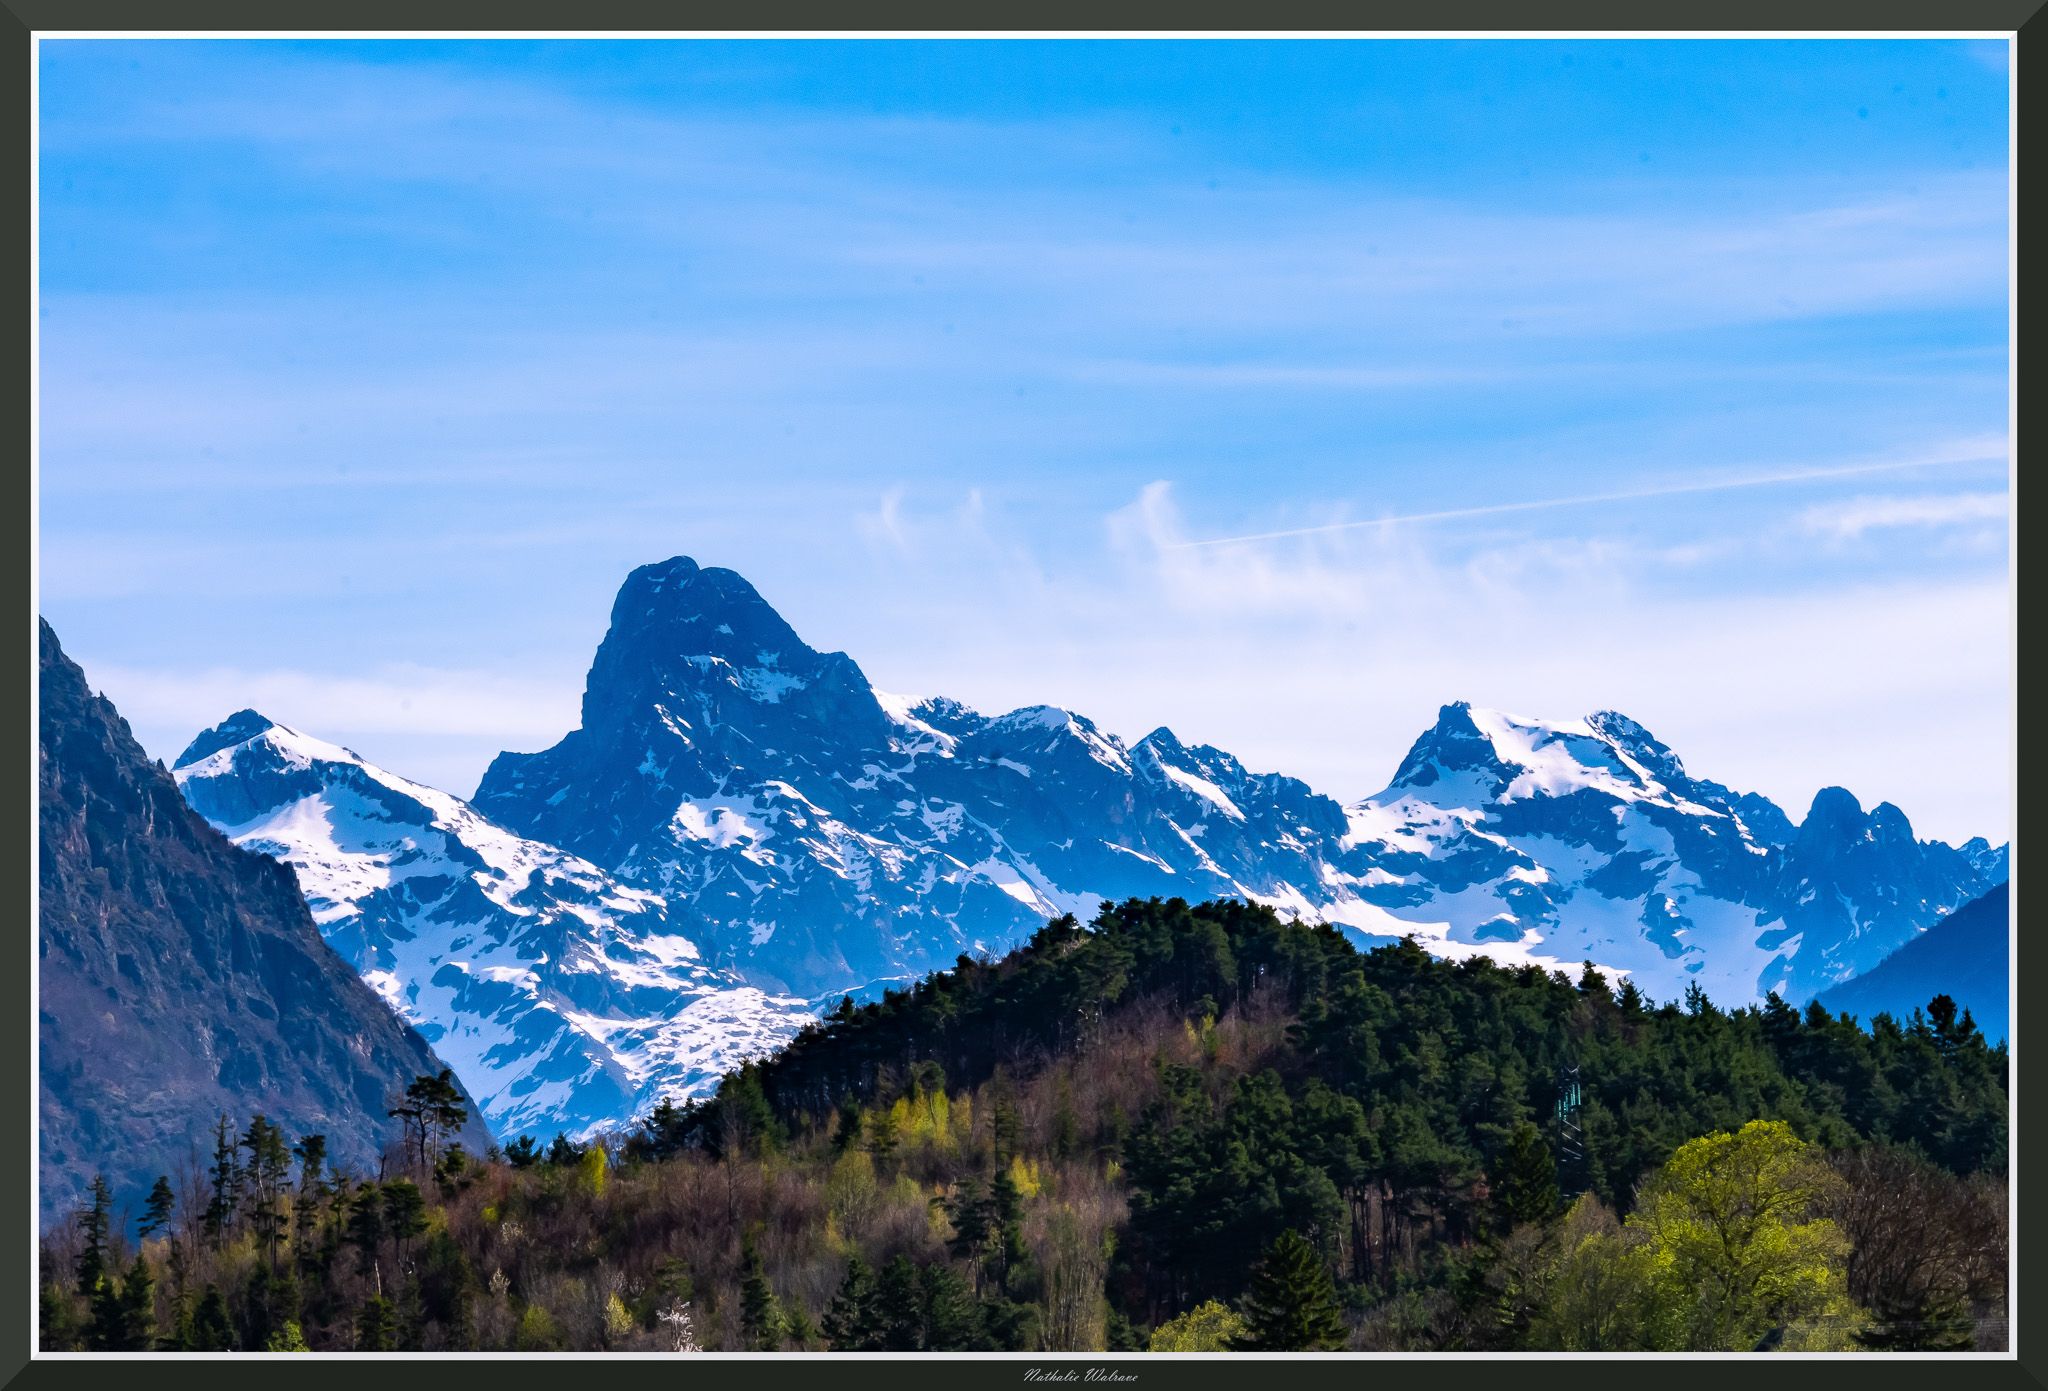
(258, 1321)
(1006, 1208)
(156, 1215)
(212, 1329)
(264, 1180)
(366, 1224)
(1292, 1306)
(759, 1319)
(103, 1332)
(409, 1315)
(850, 1127)
(94, 1219)
(899, 1309)
(376, 1325)
(1525, 1185)
(952, 1320)
(405, 1212)
(1005, 1125)
(138, 1310)
(226, 1174)
(881, 1124)
(850, 1323)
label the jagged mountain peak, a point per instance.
(693, 649)
(1474, 754)
(704, 611)
(235, 729)
(1641, 745)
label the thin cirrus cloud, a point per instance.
(1851, 519)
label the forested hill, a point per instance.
(1441, 1059)
(1177, 1129)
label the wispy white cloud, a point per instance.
(1852, 518)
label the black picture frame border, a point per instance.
(20, 20)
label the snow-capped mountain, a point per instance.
(827, 835)
(563, 998)
(746, 825)
(1586, 839)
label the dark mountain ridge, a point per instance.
(1965, 956)
(181, 977)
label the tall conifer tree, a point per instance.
(1292, 1306)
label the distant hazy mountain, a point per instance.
(563, 998)
(1965, 956)
(181, 977)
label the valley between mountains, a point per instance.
(742, 830)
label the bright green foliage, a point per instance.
(1292, 1306)
(1210, 1327)
(1581, 1285)
(538, 1331)
(591, 1169)
(1737, 1248)
(289, 1338)
(1725, 1253)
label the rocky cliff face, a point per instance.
(181, 977)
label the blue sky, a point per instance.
(1663, 376)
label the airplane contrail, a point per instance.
(1590, 497)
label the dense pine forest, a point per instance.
(1177, 1128)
